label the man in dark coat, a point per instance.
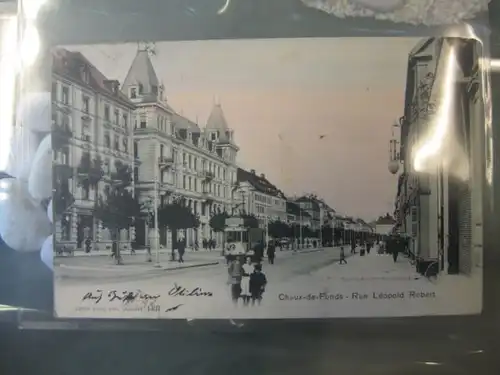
(181, 249)
(271, 252)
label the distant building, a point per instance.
(297, 216)
(260, 197)
(311, 205)
(384, 225)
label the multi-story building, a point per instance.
(312, 206)
(297, 216)
(384, 225)
(261, 198)
(97, 120)
(197, 165)
(439, 202)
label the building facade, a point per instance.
(96, 118)
(260, 197)
(439, 202)
(384, 225)
(312, 206)
(183, 160)
(297, 216)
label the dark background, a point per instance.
(449, 345)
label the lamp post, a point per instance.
(300, 226)
(394, 153)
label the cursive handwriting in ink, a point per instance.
(127, 297)
(174, 308)
(180, 291)
(96, 296)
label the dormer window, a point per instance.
(133, 93)
(213, 136)
(85, 74)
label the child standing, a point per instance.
(258, 282)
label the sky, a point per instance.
(314, 114)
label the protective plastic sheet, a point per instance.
(36, 136)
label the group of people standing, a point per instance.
(247, 280)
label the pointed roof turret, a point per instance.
(217, 122)
(142, 77)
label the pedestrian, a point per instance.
(181, 249)
(247, 270)
(258, 282)
(271, 253)
(88, 244)
(235, 273)
(395, 247)
(353, 247)
(368, 247)
(342, 256)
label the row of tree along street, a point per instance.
(119, 209)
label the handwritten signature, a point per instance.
(125, 296)
(174, 308)
(180, 291)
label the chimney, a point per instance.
(262, 175)
(252, 171)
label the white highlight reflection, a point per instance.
(434, 143)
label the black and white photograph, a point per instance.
(268, 178)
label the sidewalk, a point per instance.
(137, 262)
(374, 267)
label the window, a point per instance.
(125, 145)
(136, 150)
(154, 89)
(54, 91)
(195, 207)
(162, 150)
(190, 181)
(190, 162)
(136, 174)
(85, 74)
(117, 117)
(117, 143)
(65, 122)
(141, 89)
(107, 140)
(106, 112)
(184, 158)
(184, 182)
(125, 120)
(143, 123)
(133, 93)
(85, 192)
(65, 95)
(213, 136)
(86, 104)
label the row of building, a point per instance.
(439, 201)
(132, 123)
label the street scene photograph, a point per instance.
(272, 178)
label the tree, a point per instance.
(90, 172)
(118, 208)
(62, 198)
(250, 221)
(278, 229)
(218, 224)
(175, 216)
(327, 234)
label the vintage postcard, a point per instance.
(283, 178)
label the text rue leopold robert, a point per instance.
(357, 296)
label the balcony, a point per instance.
(207, 196)
(165, 162)
(207, 176)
